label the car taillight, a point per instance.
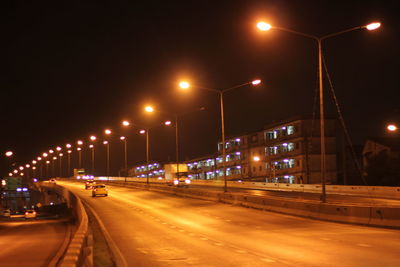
(26, 213)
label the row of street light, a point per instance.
(185, 85)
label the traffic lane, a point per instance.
(147, 240)
(32, 242)
(241, 236)
(307, 196)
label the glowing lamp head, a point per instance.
(45, 154)
(78, 148)
(107, 131)
(256, 82)
(184, 85)
(54, 158)
(27, 165)
(149, 109)
(373, 26)
(79, 142)
(392, 127)
(51, 151)
(122, 138)
(9, 153)
(105, 142)
(142, 131)
(47, 162)
(58, 148)
(263, 26)
(69, 151)
(15, 171)
(168, 123)
(256, 158)
(93, 138)
(68, 145)
(21, 168)
(39, 158)
(34, 161)
(126, 123)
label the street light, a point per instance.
(263, 26)
(392, 127)
(123, 138)
(186, 85)
(108, 157)
(79, 149)
(147, 152)
(91, 146)
(9, 153)
(69, 161)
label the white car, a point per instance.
(30, 214)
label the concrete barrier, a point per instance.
(75, 252)
(364, 215)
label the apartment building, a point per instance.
(284, 152)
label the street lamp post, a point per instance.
(60, 157)
(123, 138)
(186, 85)
(147, 152)
(263, 26)
(92, 148)
(108, 158)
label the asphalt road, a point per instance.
(30, 243)
(154, 229)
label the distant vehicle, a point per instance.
(89, 184)
(7, 213)
(30, 214)
(176, 174)
(52, 181)
(99, 189)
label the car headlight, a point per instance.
(188, 181)
(176, 182)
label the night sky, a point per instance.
(71, 69)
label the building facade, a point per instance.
(285, 152)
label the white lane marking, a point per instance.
(364, 245)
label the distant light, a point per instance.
(168, 123)
(149, 109)
(285, 160)
(79, 142)
(256, 82)
(47, 162)
(284, 144)
(263, 26)
(78, 148)
(24, 189)
(93, 138)
(126, 123)
(9, 153)
(91, 146)
(69, 151)
(54, 158)
(39, 158)
(58, 148)
(33, 168)
(105, 142)
(142, 131)
(34, 161)
(68, 145)
(256, 158)
(4, 181)
(15, 171)
(373, 26)
(34, 180)
(51, 151)
(21, 168)
(237, 139)
(392, 127)
(122, 138)
(27, 166)
(184, 85)
(107, 131)
(61, 154)
(19, 189)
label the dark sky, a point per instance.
(71, 69)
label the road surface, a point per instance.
(154, 229)
(30, 243)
